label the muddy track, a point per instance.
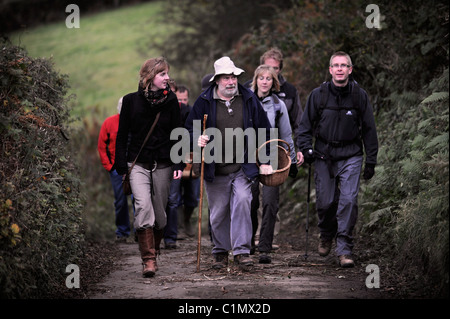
(289, 276)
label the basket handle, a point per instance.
(270, 141)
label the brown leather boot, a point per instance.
(146, 243)
(325, 247)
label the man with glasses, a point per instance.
(339, 117)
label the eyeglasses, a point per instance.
(340, 66)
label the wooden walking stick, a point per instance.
(201, 199)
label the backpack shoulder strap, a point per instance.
(356, 101)
(277, 107)
(276, 103)
(356, 95)
(324, 92)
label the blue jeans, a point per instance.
(337, 201)
(182, 191)
(121, 206)
(229, 200)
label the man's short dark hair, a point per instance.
(182, 88)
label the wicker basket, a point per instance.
(280, 175)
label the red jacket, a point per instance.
(107, 141)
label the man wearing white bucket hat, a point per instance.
(224, 65)
(228, 105)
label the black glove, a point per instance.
(369, 171)
(308, 155)
(293, 170)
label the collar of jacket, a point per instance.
(281, 79)
(341, 90)
(266, 98)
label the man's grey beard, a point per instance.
(228, 93)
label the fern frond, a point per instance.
(439, 141)
(435, 97)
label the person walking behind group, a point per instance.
(153, 104)
(106, 147)
(265, 83)
(183, 192)
(339, 116)
(190, 186)
(229, 105)
(288, 93)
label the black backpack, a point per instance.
(324, 93)
(356, 102)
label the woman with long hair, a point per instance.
(152, 104)
(265, 85)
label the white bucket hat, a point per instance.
(225, 66)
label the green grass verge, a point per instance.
(103, 56)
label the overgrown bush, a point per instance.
(41, 228)
(413, 212)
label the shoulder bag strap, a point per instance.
(145, 141)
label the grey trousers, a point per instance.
(337, 201)
(150, 209)
(229, 198)
(270, 205)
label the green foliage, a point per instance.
(417, 172)
(40, 203)
(207, 30)
(404, 68)
(312, 30)
(103, 56)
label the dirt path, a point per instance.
(289, 276)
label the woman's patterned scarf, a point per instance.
(156, 98)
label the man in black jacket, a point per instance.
(340, 118)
